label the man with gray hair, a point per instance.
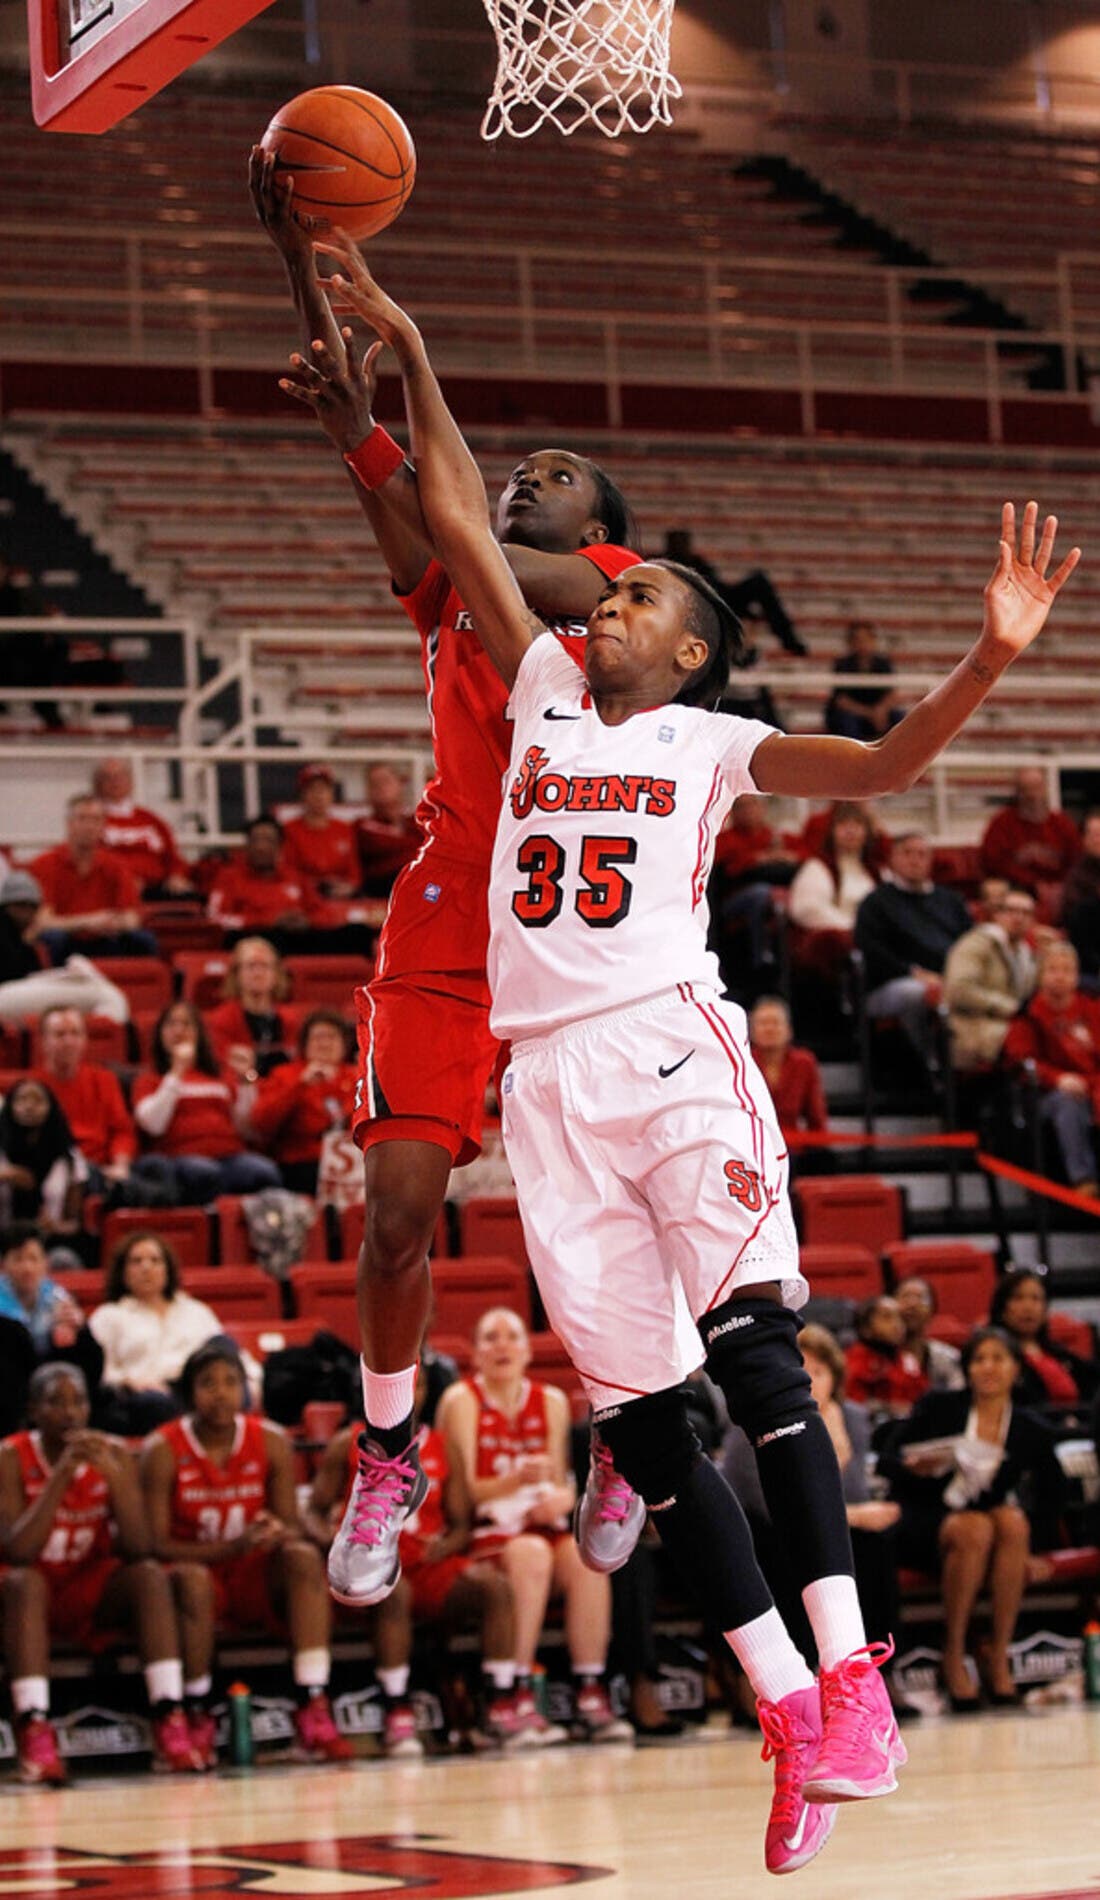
(904, 930)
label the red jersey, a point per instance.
(70, 892)
(385, 849)
(143, 843)
(291, 1116)
(1059, 1042)
(242, 899)
(96, 1111)
(83, 1527)
(503, 1442)
(315, 853)
(202, 1123)
(212, 1503)
(877, 1377)
(466, 701)
(227, 1025)
(798, 1091)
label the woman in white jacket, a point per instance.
(829, 888)
(148, 1327)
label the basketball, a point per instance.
(350, 154)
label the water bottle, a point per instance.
(1091, 1635)
(241, 1751)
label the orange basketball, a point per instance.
(351, 156)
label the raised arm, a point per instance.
(452, 493)
(1018, 598)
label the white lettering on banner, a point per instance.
(340, 1179)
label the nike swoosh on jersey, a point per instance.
(665, 1073)
(552, 713)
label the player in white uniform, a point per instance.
(649, 1164)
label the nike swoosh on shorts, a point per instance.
(665, 1073)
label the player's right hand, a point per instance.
(339, 392)
(292, 232)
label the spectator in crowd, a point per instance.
(882, 1373)
(219, 1490)
(956, 1466)
(318, 848)
(1059, 1033)
(1080, 901)
(72, 1528)
(136, 836)
(256, 892)
(191, 1116)
(255, 1028)
(508, 1436)
(147, 1326)
(991, 893)
(988, 976)
(749, 862)
(1050, 1375)
(904, 930)
(43, 1174)
(872, 1521)
(811, 839)
(26, 988)
(90, 1095)
(388, 836)
(939, 1361)
(1030, 843)
(52, 1317)
(91, 902)
(828, 889)
(753, 598)
(295, 1106)
(442, 1584)
(791, 1073)
(862, 712)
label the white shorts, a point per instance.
(652, 1180)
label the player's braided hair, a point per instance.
(709, 619)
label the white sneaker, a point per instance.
(609, 1517)
(363, 1564)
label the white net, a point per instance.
(575, 63)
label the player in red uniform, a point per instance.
(424, 1036)
(73, 1529)
(219, 1490)
(443, 1583)
(509, 1437)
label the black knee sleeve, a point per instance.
(752, 1354)
(652, 1442)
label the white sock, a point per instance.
(311, 1668)
(836, 1619)
(30, 1695)
(198, 1690)
(393, 1682)
(769, 1658)
(588, 1672)
(502, 1675)
(387, 1396)
(164, 1681)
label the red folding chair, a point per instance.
(202, 974)
(491, 1224)
(145, 981)
(186, 1229)
(961, 1275)
(327, 982)
(462, 1290)
(853, 1207)
(242, 1293)
(841, 1273)
(325, 1295)
(234, 1246)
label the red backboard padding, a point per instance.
(88, 79)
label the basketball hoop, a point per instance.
(576, 63)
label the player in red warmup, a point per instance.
(427, 1051)
(73, 1529)
(649, 1165)
(219, 1490)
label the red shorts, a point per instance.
(75, 1603)
(425, 1051)
(242, 1594)
(431, 1584)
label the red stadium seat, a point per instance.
(186, 1229)
(462, 1290)
(854, 1207)
(234, 1246)
(961, 1275)
(145, 981)
(261, 1336)
(351, 1232)
(1076, 1335)
(325, 1295)
(327, 982)
(244, 1293)
(453, 1346)
(186, 933)
(13, 1047)
(551, 1365)
(841, 1273)
(950, 1328)
(86, 1288)
(202, 974)
(491, 1224)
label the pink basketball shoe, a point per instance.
(792, 1735)
(861, 1746)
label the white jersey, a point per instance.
(597, 897)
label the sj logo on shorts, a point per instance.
(743, 1184)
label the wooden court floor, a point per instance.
(1001, 1805)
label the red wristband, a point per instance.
(376, 459)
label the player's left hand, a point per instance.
(1018, 595)
(339, 392)
(352, 288)
(292, 232)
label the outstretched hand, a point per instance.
(1018, 595)
(339, 389)
(352, 288)
(291, 231)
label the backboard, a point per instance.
(94, 61)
